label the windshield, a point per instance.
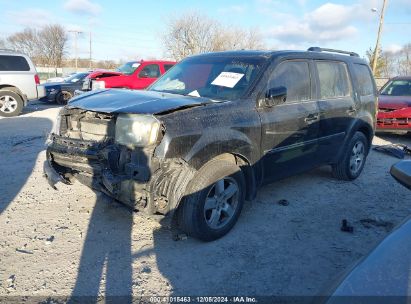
(128, 68)
(226, 78)
(398, 88)
(76, 77)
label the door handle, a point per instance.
(311, 118)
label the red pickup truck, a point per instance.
(135, 75)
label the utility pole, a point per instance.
(375, 57)
(76, 33)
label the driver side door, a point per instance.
(290, 129)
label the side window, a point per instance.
(13, 63)
(150, 71)
(334, 82)
(168, 66)
(364, 80)
(295, 76)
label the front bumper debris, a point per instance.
(133, 177)
(52, 176)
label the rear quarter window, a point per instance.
(13, 63)
(365, 85)
(334, 81)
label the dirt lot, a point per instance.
(76, 242)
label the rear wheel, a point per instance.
(215, 201)
(11, 104)
(353, 160)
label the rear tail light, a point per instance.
(37, 79)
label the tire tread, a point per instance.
(340, 169)
(189, 205)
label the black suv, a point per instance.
(214, 128)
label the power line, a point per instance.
(398, 23)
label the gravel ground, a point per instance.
(77, 242)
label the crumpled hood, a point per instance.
(394, 102)
(135, 102)
(105, 73)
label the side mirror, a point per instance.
(143, 74)
(401, 171)
(275, 96)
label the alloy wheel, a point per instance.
(221, 203)
(357, 157)
(8, 104)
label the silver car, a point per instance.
(19, 82)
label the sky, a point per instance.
(132, 30)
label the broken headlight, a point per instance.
(136, 130)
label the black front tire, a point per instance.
(193, 215)
(352, 162)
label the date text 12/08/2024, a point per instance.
(203, 299)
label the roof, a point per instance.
(274, 53)
(237, 53)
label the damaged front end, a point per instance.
(390, 118)
(100, 151)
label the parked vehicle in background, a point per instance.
(394, 105)
(60, 79)
(19, 82)
(385, 272)
(136, 75)
(61, 92)
(207, 134)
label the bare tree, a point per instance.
(381, 64)
(393, 63)
(404, 67)
(237, 39)
(194, 33)
(25, 42)
(46, 46)
(2, 44)
(190, 34)
(52, 44)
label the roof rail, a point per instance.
(318, 49)
(8, 50)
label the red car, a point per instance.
(135, 75)
(394, 105)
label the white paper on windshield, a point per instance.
(135, 65)
(227, 79)
(194, 93)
